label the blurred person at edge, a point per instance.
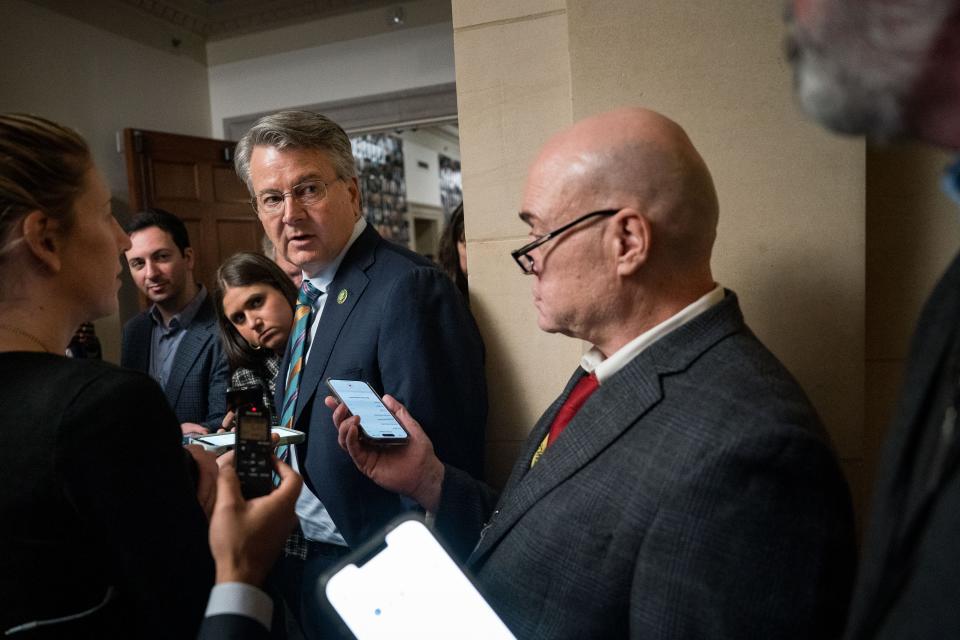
(452, 255)
(104, 528)
(889, 70)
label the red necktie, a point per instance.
(581, 391)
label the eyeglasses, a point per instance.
(522, 255)
(306, 193)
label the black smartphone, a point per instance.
(254, 450)
(377, 424)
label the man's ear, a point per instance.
(353, 188)
(632, 237)
(41, 235)
(189, 257)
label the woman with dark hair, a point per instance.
(452, 254)
(255, 300)
(103, 535)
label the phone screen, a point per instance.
(411, 589)
(376, 421)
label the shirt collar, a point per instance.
(594, 361)
(322, 278)
(185, 316)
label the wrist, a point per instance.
(237, 572)
(431, 485)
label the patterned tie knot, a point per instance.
(308, 294)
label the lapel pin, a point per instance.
(342, 296)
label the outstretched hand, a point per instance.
(411, 469)
(246, 536)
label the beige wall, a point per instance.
(98, 83)
(791, 239)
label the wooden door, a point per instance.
(194, 179)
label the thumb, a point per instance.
(228, 487)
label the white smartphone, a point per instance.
(221, 442)
(403, 584)
(377, 424)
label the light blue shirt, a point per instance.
(316, 523)
(166, 339)
(240, 599)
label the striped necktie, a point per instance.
(306, 299)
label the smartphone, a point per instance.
(377, 424)
(254, 450)
(403, 584)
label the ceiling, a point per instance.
(191, 27)
(225, 18)
(215, 19)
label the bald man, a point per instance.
(694, 493)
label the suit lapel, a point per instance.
(937, 331)
(190, 347)
(196, 337)
(895, 530)
(599, 422)
(614, 408)
(352, 279)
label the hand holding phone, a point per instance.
(377, 424)
(413, 470)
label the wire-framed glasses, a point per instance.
(522, 255)
(306, 193)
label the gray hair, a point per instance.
(297, 130)
(857, 69)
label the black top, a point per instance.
(96, 492)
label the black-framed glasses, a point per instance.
(306, 193)
(522, 255)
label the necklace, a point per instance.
(28, 336)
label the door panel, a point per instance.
(194, 179)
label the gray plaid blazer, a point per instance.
(695, 495)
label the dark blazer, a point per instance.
(197, 388)
(908, 582)
(96, 493)
(395, 320)
(695, 495)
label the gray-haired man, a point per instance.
(384, 315)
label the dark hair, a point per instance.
(242, 270)
(448, 256)
(164, 220)
(43, 166)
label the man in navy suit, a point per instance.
(176, 340)
(889, 69)
(384, 315)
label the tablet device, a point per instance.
(403, 584)
(221, 442)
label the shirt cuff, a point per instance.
(240, 599)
